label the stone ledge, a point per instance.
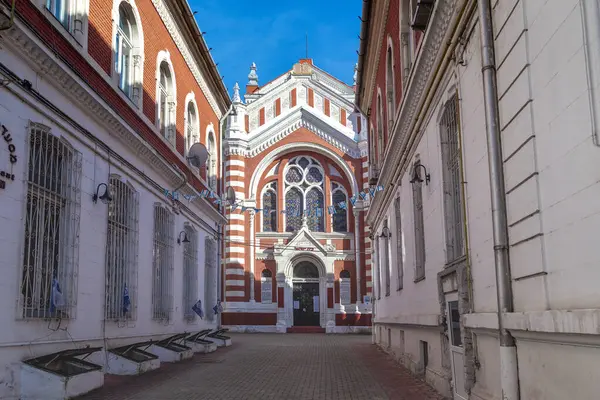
(425, 320)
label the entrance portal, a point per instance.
(306, 295)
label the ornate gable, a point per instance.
(303, 241)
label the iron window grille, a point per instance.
(453, 203)
(52, 222)
(163, 264)
(210, 290)
(191, 128)
(190, 273)
(122, 251)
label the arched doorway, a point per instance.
(306, 294)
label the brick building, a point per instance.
(294, 148)
(488, 159)
(99, 103)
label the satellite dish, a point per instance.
(197, 155)
(231, 195)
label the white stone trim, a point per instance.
(230, 282)
(237, 216)
(234, 271)
(235, 173)
(235, 250)
(234, 293)
(235, 260)
(237, 163)
(237, 184)
(235, 227)
(251, 328)
(173, 29)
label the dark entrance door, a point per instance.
(305, 312)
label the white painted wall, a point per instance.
(21, 340)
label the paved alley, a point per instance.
(278, 367)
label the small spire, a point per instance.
(355, 73)
(236, 93)
(252, 76)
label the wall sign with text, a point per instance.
(6, 175)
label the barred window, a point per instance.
(210, 291)
(304, 178)
(340, 218)
(419, 229)
(190, 273)
(399, 245)
(269, 206)
(451, 158)
(121, 251)
(50, 256)
(345, 288)
(380, 144)
(266, 286)
(163, 265)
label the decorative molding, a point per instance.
(379, 25)
(177, 37)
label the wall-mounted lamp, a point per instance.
(385, 233)
(105, 197)
(417, 178)
(184, 240)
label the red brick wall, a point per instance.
(249, 318)
(261, 117)
(327, 107)
(311, 97)
(353, 319)
(293, 100)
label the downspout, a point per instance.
(364, 38)
(509, 373)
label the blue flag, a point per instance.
(126, 300)
(56, 299)
(197, 308)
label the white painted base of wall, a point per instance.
(220, 342)
(353, 329)
(251, 328)
(37, 384)
(118, 365)
(166, 355)
(203, 348)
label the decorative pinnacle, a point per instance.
(252, 76)
(236, 93)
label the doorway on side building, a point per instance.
(457, 351)
(306, 295)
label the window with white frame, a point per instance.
(345, 288)
(70, 14)
(266, 286)
(211, 162)
(304, 178)
(163, 263)
(372, 146)
(190, 273)
(192, 126)
(121, 251)
(269, 205)
(210, 290)
(340, 218)
(451, 159)
(380, 150)
(419, 228)
(166, 103)
(390, 88)
(399, 246)
(126, 40)
(50, 256)
(406, 40)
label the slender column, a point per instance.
(252, 250)
(357, 254)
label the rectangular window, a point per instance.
(344, 117)
(266, 289)
(190, 273)
(293, 98)
(163, 264)
(451, 159)
(211, 278)
(50, 256)
(121, 251)
(311, 97)
(261, 116)
(386, 258)
(399, 246)
(61, 9)
(419, 229)
(326, 107)
(377, 277)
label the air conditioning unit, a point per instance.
(421, 11)
(373, 175)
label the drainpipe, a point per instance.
(508, 350)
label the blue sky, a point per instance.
(272, 34)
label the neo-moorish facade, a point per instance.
(293, 147)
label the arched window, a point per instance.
(128, 50)
(269, 205)
(166, 100)
(372, 147)
(211, 162)
(340, 218)
(380, 151)
(191, 125)
(266, 286)
(345, 288)
(304, 179)
(390, 88)
(306, 270)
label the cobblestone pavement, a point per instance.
(278, 367)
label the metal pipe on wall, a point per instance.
(509, 374)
